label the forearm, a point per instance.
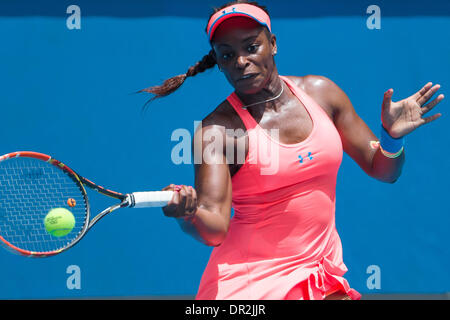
(207, 227)
(387, 169)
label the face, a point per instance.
(245, 53)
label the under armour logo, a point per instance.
(308, 156)
(233, 9)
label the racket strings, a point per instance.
(29, 189)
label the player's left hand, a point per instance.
(402, 117)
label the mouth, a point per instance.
(247, 77)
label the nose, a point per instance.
(241, 62)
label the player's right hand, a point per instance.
(183, 203)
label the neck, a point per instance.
(271, 89)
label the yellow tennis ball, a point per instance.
(59, 222)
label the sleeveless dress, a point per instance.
(282, 241)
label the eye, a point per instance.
(252, 48)
(227, 56)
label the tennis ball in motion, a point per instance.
(59, 222)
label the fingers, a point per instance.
(190, 206)
(169, 187)
(431, 118)
(170, 210)
(422, 91)
(426, 95)
(387, 99)
(183, 202)
(432, 104)
(194, 202)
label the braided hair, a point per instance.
(208, 61)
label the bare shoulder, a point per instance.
(223, 117)
(313, 84)
(322, 89)
(213, 129)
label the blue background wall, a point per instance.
(68, 93)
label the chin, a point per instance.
(250, 88)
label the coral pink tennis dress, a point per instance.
(282, 241)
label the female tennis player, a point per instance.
(282, 241)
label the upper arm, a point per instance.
(212, 175)
(354, 132)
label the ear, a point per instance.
(213, 53)
(273, 42)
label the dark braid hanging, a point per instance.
(208, 61)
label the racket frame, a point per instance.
(81, 182)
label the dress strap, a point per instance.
(246, 117)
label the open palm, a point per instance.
(402, 117)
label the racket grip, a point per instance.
(150, 199)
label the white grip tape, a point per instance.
(152, 199)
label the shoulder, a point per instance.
(221, 118)
(323, 90)
(223, 115)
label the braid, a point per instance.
(208, 61)
(172, 84)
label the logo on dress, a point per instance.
(307, 157)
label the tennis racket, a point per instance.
(32, 184)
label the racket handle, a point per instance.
(149, 199)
